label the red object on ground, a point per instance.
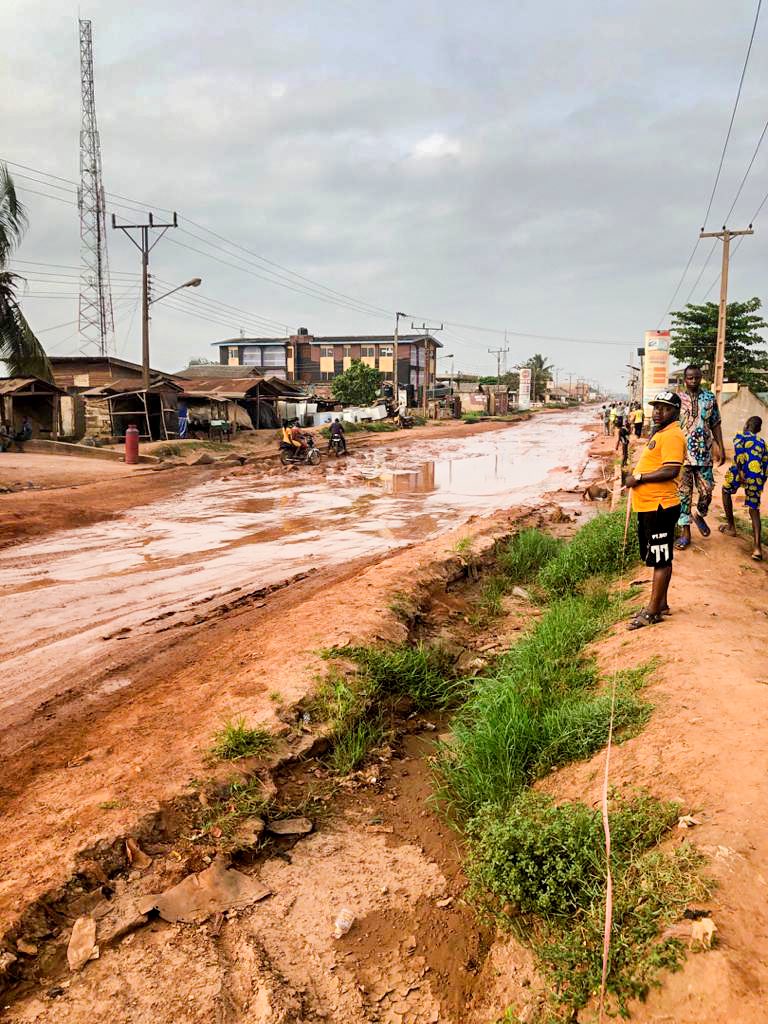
(131, 445)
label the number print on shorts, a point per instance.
(659, 550)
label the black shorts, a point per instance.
(656, 534)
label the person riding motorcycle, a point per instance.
(337, 431)
(297, 437)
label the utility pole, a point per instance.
(395, 340)
(499, 353)
(423, 327)
(725, 235)
(145, 249)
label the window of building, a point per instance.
(233, 352)
(367, 351)
(326, 351)
(251, 355)
(386, 350)
(274, 355)
(347, 351)
(326, 375)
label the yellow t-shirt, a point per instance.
(638, 415)
(665, 447)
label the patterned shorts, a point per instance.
(750, 476)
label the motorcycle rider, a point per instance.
(297, 438)
(337, 431)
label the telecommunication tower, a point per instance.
(95, 316)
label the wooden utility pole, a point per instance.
(145, 249)
(427, 340)
(395, 380)
(725, 235)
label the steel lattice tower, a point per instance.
(95, 314)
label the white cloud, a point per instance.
(277, 90)
(435, 146)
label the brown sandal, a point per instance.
(643, 619)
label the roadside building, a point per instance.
(245, 403)
(113, 407)
(306, 359)
(736, 407)
(34, 398)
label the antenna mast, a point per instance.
(95, 316)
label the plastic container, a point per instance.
(344, 921)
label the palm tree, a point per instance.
(19, 348)
(541, 372)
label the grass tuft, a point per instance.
(540, 867)
(235, 740)
(596, 550)
(424, 674)
(522, 557)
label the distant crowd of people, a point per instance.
(9, 437)
(685, 435)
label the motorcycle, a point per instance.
(337, 445)
(405, 422)
(309, 455)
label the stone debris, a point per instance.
(136, 856)
(201, 459)
(82, 943)
(197, 897)
(290, 827)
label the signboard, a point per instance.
(524, 398)
(656, 366)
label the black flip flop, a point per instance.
(702, 526)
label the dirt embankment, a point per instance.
(416, 951)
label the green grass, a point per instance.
(544, 705)
(540, 867)
(354, 707)
(235, 740)
(596, 550)
(521, 559)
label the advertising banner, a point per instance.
(655, 366)
(524, 399)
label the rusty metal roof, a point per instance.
(128, 385)
(28, 385)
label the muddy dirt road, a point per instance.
(70, 600)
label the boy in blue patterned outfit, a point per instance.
(749, 470)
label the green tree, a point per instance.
(541, 374)
(19, 348)
(358, 385)
(694, 338)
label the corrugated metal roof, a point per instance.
(14, 385)
(211, 370)
(128, 385)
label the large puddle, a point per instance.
(60, 597)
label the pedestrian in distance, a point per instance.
(620, 417)
(655, 499)
(623, 440)
(749, 470)
(606, 420)
(612, 417)
(637, 420)
(701, 426)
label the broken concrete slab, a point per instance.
(291, 827)
(197, 897)
(82, 943)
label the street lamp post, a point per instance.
(194, 282)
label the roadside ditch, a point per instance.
(401, 793)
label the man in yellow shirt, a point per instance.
(656, 501)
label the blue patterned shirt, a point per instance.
(699, 415)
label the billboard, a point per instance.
(524, 398)
(656, 366)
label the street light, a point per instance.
(449, 355)
(195, 282)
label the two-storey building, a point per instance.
(307, 359)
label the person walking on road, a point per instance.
(653, 486)
(749, 470)
(612, 417)
(637, 420)
(700, 423)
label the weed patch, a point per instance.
(542, 707)
(540, 867)
(596, 550)
(235, 740)
(423, 674)
(521, 559)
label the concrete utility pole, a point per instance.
(725, 235)
(423, 327)
(499, 353)
(145, 249)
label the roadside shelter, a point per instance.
(30, 396)
(248, 402)
(736, 407)
(110, 409)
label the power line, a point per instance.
(733, 113)
(719, 169)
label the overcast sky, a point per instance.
(539, 167)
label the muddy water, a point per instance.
(68, 601)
